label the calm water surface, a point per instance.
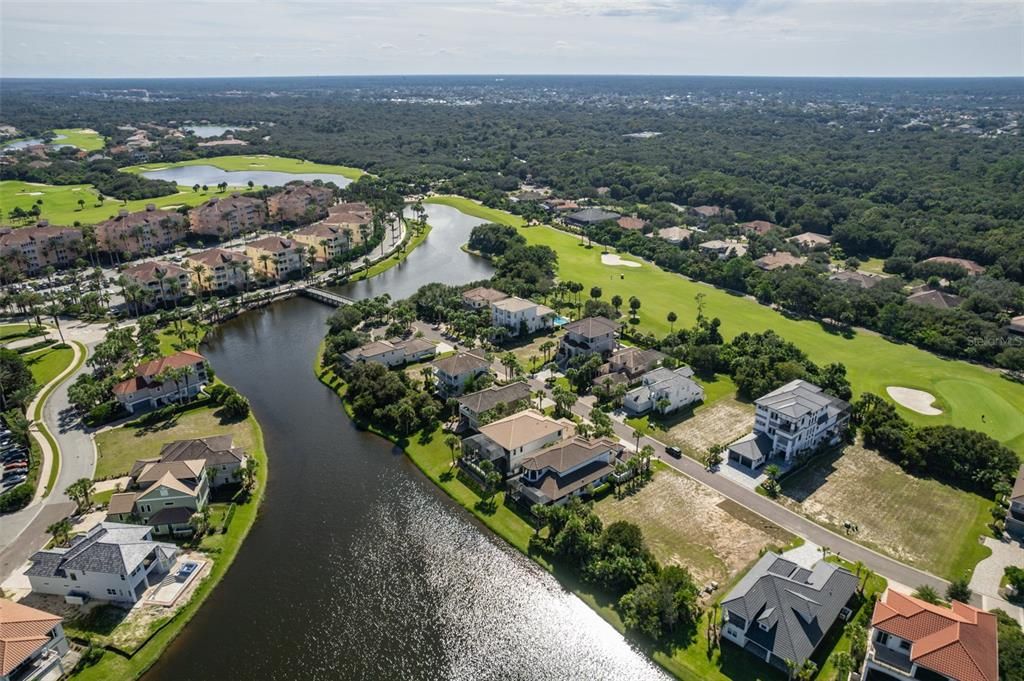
(212, 130)
(359, 567)
(186, 176)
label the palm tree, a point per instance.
(546, 347)
(60, 531)
(453, 443)
(638, 433)
(80, 491)
(54, 309)
(672, 321)
(663, 404)
(928, 594)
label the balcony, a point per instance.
(893, 659)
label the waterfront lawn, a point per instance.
(118, 448)
(256, 162)
(60, 203)
(48, 363)
(965, 392)
(395, 258)
(83, 138)
(114, 666)
(918, 521)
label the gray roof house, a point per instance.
(591, 216)
(222, 458)
(673, 389)
(475, 405)
(781, 611)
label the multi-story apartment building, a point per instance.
(30, 250)
(328, 240)
(152, 386)
(142, 231)
(225, 218)
(164, 282)
(219, 270)
(300, 203)
(276, 257)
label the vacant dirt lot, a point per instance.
(691, 525)
(719, 423)
(919, 521)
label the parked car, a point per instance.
(674, 451)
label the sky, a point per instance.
(177, 38)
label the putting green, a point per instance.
(964, 391)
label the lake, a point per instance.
(186, 176)
(206, 131)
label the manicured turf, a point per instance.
(83, 138)
(395, 258)
(119, 447)
(48, 363)
(871, 361)
(256, 162)
(60, 203)
(10, 332)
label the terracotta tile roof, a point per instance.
(757, 226)
(148, 271)
(215, 257)
(960, 642)
(27, 234)
(810, 239)
(628, 222)
(324, 230)
(970, 266)
(23, 630)
(484, 293)
(272, 244)
(184, 358)
(778, 260)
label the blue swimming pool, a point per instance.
(561, 321)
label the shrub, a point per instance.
(104, 413)
(218, 392)
(16, 499)
(236, 406)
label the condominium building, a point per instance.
(229, 217)
(141, 231)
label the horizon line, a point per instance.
(526, 75)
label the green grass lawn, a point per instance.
(48, 363)
(395, 258)
(10, 332)
(60, 203)
(873, 265)
(83, 138)
(119, 447)
(256, 162)
(965, 391)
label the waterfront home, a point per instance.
(509, 441)
(587, 336)
(674, 235)
(633, 362)
(664, 391)
(391, 353)
(455, 371)
(150, 386)
(798, 417)
(810, 240)
(482, 297)
(570, 468)
(760, 227)
(163, 495)
(142, 231)
(940, 300)
(723, 249)
(218, 270)
(910, 639)
(163, 282)
(222, 459)
(276, 257)
(32, 643)
(300, 203)
(520, 315)
(776, 260)
(591, 216)
(354, 220)
(30, 250)
(1015, 513)
(329, 241)
(228, 217)
(972, 268)
(111, 562)
(478, 407)
(780, 612)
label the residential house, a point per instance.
(455, 371)
(634, 362)
(111, 562)
(570, 468)
(759, 227)
(1015, 513)
(798, 417)
(226, 218)
(632, 224)
(30, 250)
(705, 214)
(560, 205)
(276, 257)
(856, 278)
(496, 399)
(1016, 325)
(780, 612)
(163, 495)
(674, 235)
(664, 391)
(391, 353)
(509, 441)
(972, 268)
(482, 297)
(940, 300)
(219, 270)
(142, 231)
(32, 643)
(810, 240)
(591, 216)
(222, 459)
(148, 387)
(300, 203)
(590, 335)
(527, 196)
(163, 282)
(776, 260)
(910, 639)
(520, 315)
(723, 249)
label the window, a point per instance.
(74, 578)
(882, 638)
(111, 592)
(904, 645)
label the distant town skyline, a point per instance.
(151, 38)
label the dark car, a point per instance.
(674, 451)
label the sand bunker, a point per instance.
(30, 193)
(914, 400)
(612, 259)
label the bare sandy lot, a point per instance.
(914, 400)
(721, 423)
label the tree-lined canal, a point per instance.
(359, 567)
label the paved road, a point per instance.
(889, 568)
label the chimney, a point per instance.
(150, 207)
(123, 212)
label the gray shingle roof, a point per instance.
(591, 327)
(109, 548)
(214, 450)
(593, 215)
(489, 398)
(798, 398)
(797, 606)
